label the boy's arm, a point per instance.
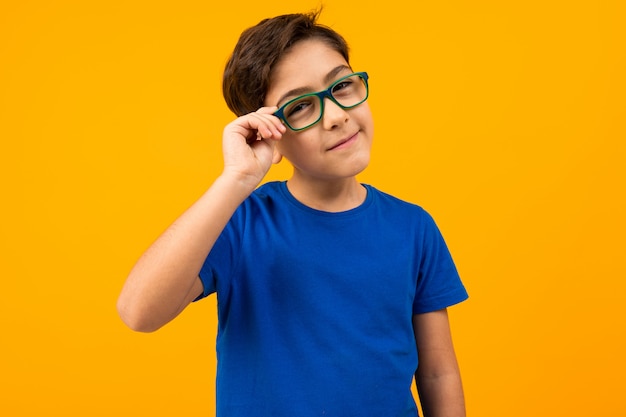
(165, 279)
(438, 378)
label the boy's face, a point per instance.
(338, 146)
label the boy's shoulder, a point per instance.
(267, 192)
(268, 188)
(391, 200)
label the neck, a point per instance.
(328, 195)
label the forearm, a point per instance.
(438, 377)
(164, 280)
(441, 395)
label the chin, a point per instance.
(357, 165)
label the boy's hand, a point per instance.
(248, 145)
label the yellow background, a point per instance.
(506, 120)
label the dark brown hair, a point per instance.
(247, 73)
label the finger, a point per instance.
(258, 125)
(275, 119)
(267, 110)
(266, 125)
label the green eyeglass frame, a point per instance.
(321, 95)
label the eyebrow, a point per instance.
(328, 78)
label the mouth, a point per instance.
(344, 143)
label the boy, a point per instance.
(327, 289)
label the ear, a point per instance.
(277, 156)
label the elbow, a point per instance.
(137, 319)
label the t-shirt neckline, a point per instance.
(369, 196)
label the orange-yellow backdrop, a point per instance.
(506, 120)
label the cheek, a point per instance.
(283, 145)
(287, 146)
(297, 148)
(365, 114)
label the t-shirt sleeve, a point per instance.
(222, 258)
(438, 283)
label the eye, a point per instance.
(297, 107)
(345, 86)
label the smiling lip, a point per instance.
(345, 142)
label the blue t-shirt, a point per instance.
(315, 308)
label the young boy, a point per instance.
(327, 289)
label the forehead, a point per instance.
(304, 66)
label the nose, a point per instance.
(333, 115)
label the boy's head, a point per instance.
(248, 71)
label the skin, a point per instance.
(165, 279)
(438, 377)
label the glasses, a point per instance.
(304, 111)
